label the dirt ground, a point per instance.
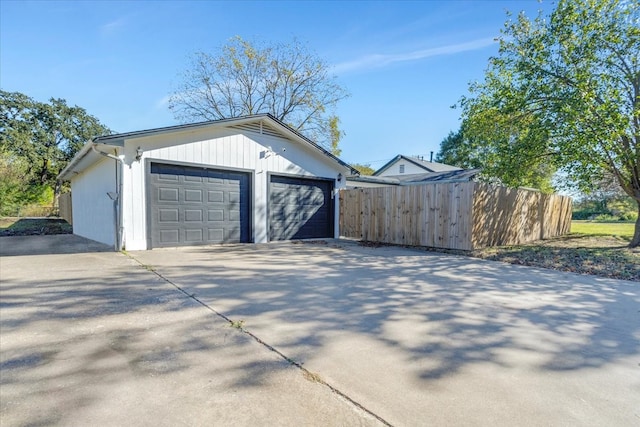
(605, 256)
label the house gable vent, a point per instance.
(260, 128)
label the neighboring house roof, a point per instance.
(460, 175)
(276, 126)
(426, 165)
(382, 180)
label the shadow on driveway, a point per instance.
(407, 332)
(49, 245)
(95, 339)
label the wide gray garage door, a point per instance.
(197, 206)
(300, 208)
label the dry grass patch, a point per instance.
(606, 256)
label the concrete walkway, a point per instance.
(421, 338)
(94, 339)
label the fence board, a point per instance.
(455, 215)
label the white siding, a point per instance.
(409, 168)
(93, 211)
(221, 148)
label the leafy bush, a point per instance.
(606, 217)
(628, 216)
(620, 208)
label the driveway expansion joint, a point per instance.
(306, 373)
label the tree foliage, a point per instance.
(569, 84)
(364, 169)
(506, 153)
(244, 78)
(456, 150)
(37, 140)
(605, 200)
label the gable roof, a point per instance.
(427, 166)
(273, 127)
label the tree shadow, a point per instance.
(97, 336)
(438, 315)
(49, 245)
(421, 317)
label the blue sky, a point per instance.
(404, 63)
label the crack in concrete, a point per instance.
(307, 373)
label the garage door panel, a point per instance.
(300, 208)
(215, 215)
(234, 234)
(234, 197)
(193, 235)
(194, 206)
(191, 195)
(192, 215)
(193, 178)
(215, 196)
(166, 177)
(169, 236)
(168, 194)
(216, 234)
(168, 215)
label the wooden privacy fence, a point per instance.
(464, 215)
(64, 207)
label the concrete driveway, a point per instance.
(412, 337)
(94, 339)
(421, 338)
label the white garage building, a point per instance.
(247, 179)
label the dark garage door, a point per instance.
(197, 206)
(300, 208)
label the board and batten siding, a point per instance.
(409, 168)
(93, 210)
(225, 148)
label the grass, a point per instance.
(593, 228)
(238, 324)
(14, 226)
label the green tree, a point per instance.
(37, 140)
(335, 135)
(605, 198)
(364, 169)
(15, 191)
(243, 78)
(456, 150)
(572, 82)
(507, 152)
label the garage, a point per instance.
(250, 179)
(197, 206)
(300, 208)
